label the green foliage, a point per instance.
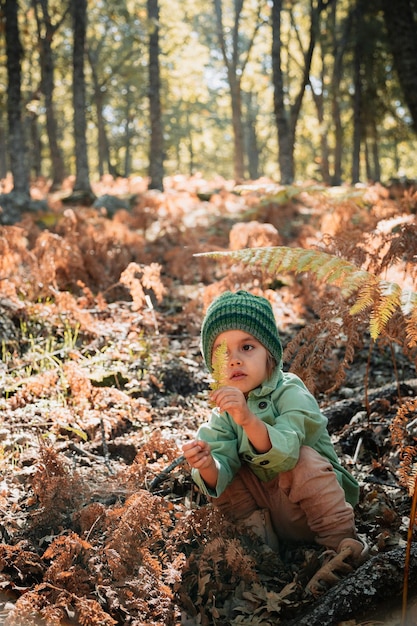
(379, 297)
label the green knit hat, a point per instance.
(240, 311)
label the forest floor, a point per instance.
(103, 381)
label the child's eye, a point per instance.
(247, 347)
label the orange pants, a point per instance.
(306, 503)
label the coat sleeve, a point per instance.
(293, 419)
(221, 434)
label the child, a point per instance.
(265, 457)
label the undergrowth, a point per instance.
(90, 311)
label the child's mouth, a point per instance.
(237, 376)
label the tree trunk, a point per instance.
(47, 86)
(235, 59)
(156, 149)
(127, 167)
(231, 65)
(35, 152)
(285, 139)
(103, 148)
(82, 178)
(17, 147)
(286, 121)
(324, 129)
(357, 100)
(373, 152)
(339, 48)
(237, 125)
(251, 142)
(401, 23)
(3, 150)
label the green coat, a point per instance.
(293, 419)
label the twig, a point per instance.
(357, 450)
(73, 446)
(96, 457)
(159, 478)
(105, 447)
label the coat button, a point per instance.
(263, 404)
(264, 463)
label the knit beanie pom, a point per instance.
(240, 311)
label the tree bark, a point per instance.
(235, 60)
(285, 137)
(234, 81)
(82, 178)
(363, 592)
(251, 142)
(104, 160)
(287, 118)
(401, 23)
(47, 86)
(3, 150)
(156, 149)
(357, 98)
(339, 48)
(17, 144)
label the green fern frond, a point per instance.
(382, 298)
(333, 270)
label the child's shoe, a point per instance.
(356, 551)
(350, 554)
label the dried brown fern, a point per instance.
(141, 278)
(402, 437)
(398, 247)
(50, 606)
(223, 561)
(138, 525)
(150, 460)
(57, 491)
(32, 387)
(311, 353)
(23, 559)
(130, 564)
(402, 429)
(68, 569)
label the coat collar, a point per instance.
(268, 386)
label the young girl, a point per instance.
(265, 457)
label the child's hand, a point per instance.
(198, 454)
(233, 401)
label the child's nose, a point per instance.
(234, 358)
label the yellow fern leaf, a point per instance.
(219, 366)
(366, 297)
(389, 301)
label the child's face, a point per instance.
(246, 360)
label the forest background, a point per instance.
(316, 89)
(135, 137)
